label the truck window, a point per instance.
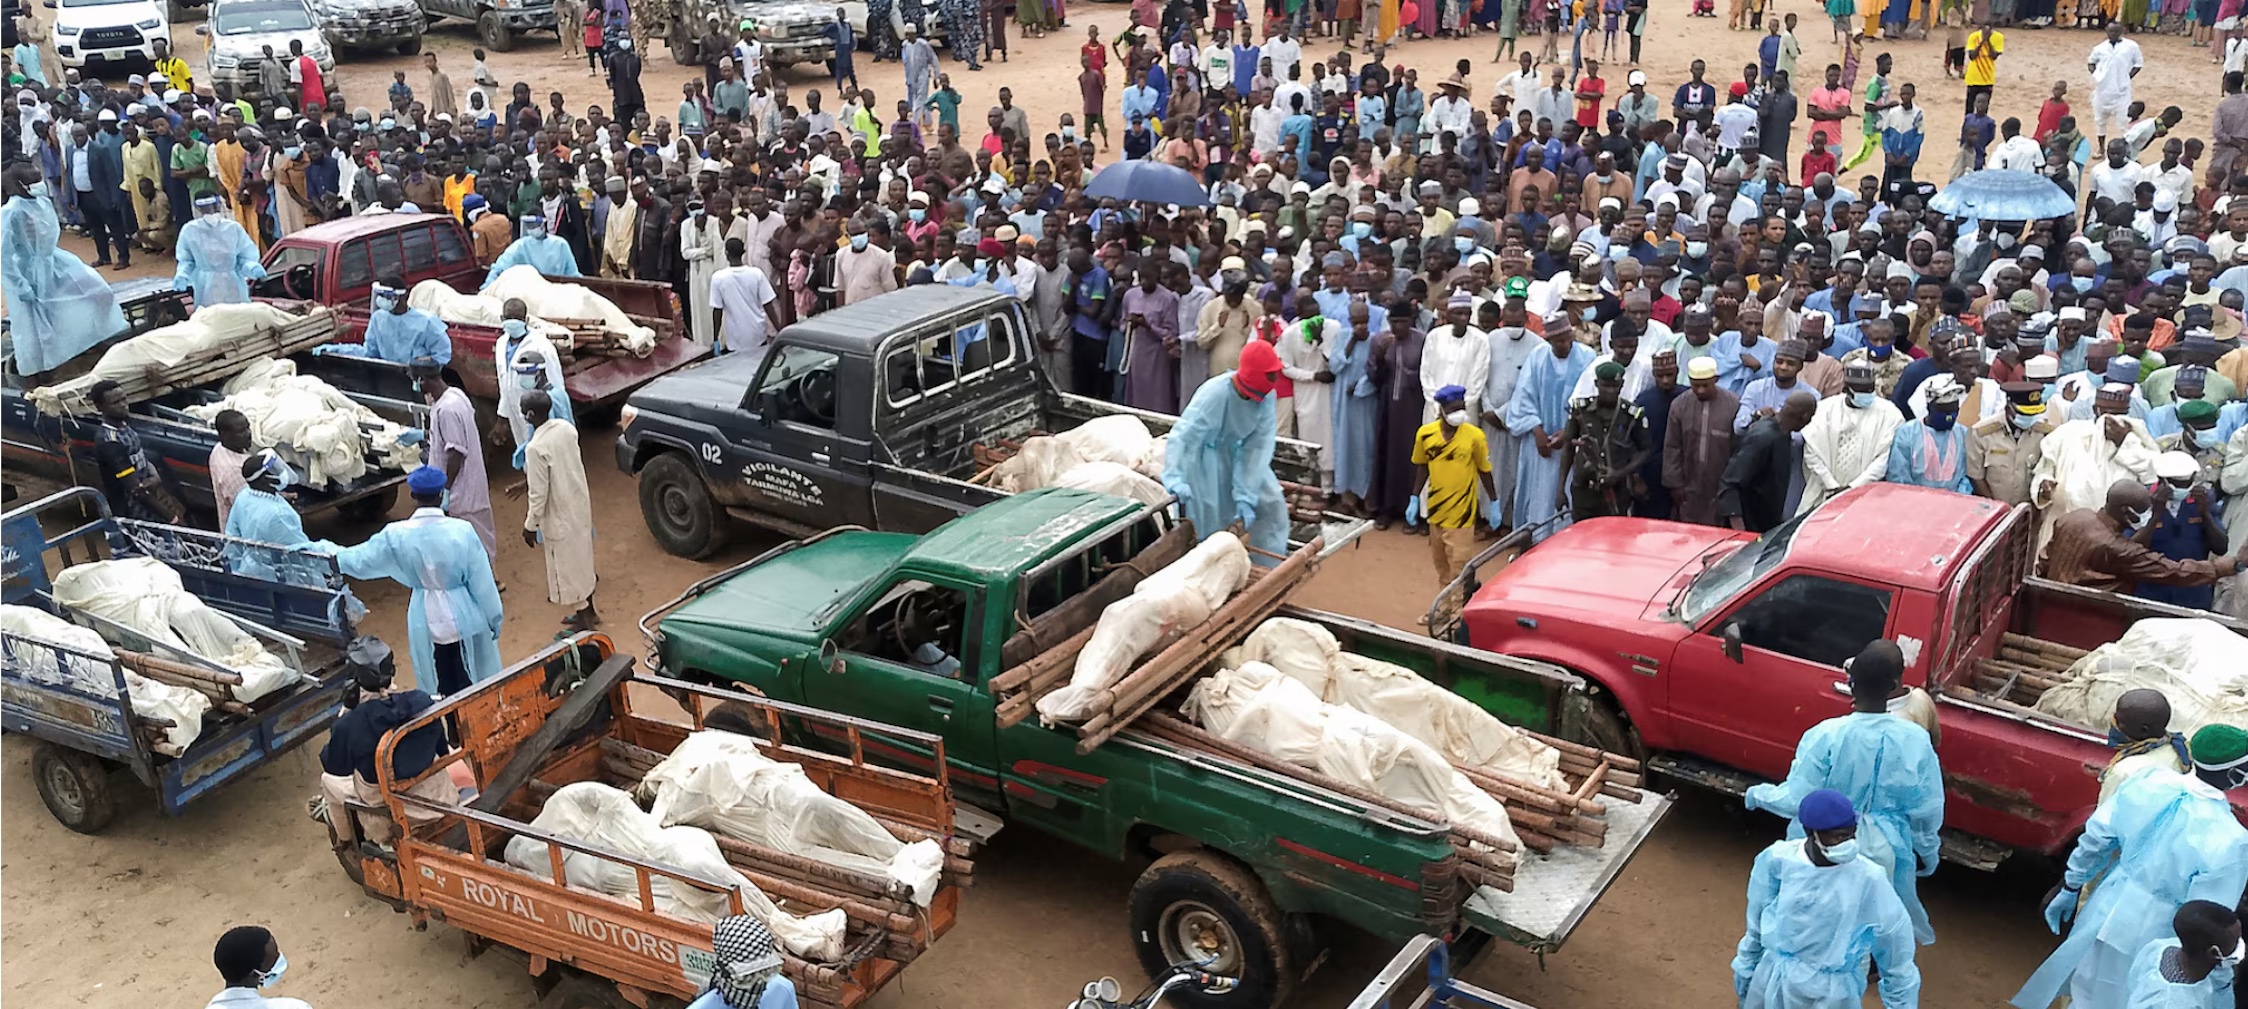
(356, 267)
(450, 248)
(290, 258)
(1822, 620)
(901, 373)
(1060, 582)
(915, 624)
(383, 252)
(420, 250)
(799, 386)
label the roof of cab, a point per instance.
(1915, 537)
(348, 228)
(857, 327)
(1018, 532)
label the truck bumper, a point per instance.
(105, 45)
(789, 52)
(522, 18)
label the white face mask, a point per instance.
(1841, 852)
(1457, 418)
(1861, 400)
(2139, 519)
(1696, 250)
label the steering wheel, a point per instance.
(815, 394)
(908, 614)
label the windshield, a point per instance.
(92, 3)
(235, 19)
(1722, 580)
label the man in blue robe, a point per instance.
(1356, 409)
(1932, 451)
(1218, 460)
(1886, 766)
(551, 254)
(1537, 416)
(262, 516)
(217, 259)
(58, 307)
(396, 331)
(453, 622)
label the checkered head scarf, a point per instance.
(748, 957)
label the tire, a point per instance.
(371, 508)
(1597, 721)
(1205, 894)
(412, 46)
(494, 33)
(75, 787)
(683, 47)
(678, 508)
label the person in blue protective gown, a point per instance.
(1819, 914)
(262, 515)
(2162, 839)
(2196, 970)
(533, 374)
(217, 259)
(1932, 451)
(551, 254)
(1886, 766)
(1218, 461)
(58, 307)
(397, 332)
(453, 622)
(1537, 415)
(1356, 408)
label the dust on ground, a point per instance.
(125, 920)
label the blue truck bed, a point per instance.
(85, 732)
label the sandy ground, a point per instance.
(125, 920)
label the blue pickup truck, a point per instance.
(86, 734)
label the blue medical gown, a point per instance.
(551, 255)
(444, 563)
(400, 338)
(1218, 462)
(1887, 767)
(2149, 990)
(57, 305)
(268, 518)
(217, 260)
(1812, 930)
(2162, 839)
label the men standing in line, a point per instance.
(1847, 442)
(1698, 444)
(1886, 766)
(558, 519)
(1932, 451)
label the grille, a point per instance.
(109, 38)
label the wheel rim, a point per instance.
(62, 786)
(1194, 934)
(675, 508)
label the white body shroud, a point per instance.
(1164, 606)
(183, 706)
(147, 596)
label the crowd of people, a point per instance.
(1503, 304)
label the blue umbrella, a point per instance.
(2001, 195)
(1148, 182)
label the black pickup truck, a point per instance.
(867, 415)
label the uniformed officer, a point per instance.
(1603, 448)
(2002, 451)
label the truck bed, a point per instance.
(451, 868)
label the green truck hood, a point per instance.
(792, 591)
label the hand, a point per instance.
(1545, 448)
(1740, 985)
(1750, 362)
(1928, 865)
(1239, 529)
(531, 538)
(1325, 377)
(2115, 429)
(515, 490)
(1561, 498)
(412, 436)
(2060, 907)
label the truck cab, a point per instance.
(1715, 649)
(499, 23)
(239, 31)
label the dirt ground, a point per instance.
(125, 920)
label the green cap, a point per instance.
(2219, 747)
(2194, 411)
(1517, 287)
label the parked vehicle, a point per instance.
(859, 416)
(84, 735)
(793, 31)
(335, 264)
(56, 449)
(498, 22)
(573, 713)
(372, 24)
(1714, 650)
(1245, 858)
(91, 32)
(241, 30)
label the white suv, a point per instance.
(90, 31)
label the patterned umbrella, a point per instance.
(2001, 195)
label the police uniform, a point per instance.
(1619, 435)
(125, 467)
(2001, 455)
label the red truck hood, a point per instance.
(1608, 571)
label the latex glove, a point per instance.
(1413, 510)
(1928, 865)
(1740, 985)
(2059, 908)
(412, 436)
(179, 283)
(520, 456)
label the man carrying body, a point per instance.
(1887, 767)
(1602, 449)
(397, 332)
(1218, 460)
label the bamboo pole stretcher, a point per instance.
(2042, 646)
(151, 665)
(1566, 804)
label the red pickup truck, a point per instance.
(1714, 650)
(336, 264)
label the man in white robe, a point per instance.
(558, 519)
(1538, 415)
(1847, 442)
(2082, 458)
(702, 243)
(1303, 359)
(1455, 353)
(1511, 345)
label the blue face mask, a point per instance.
(1464, 244)
(858, 243)
(917, 215)
(1941, 420)
(527, 380)
(2082, 284)
(273, 976)
(1880, 351)
(515, 329)
(291, 152)
(1861, 400)
(1361, 228)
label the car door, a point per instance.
(789, 450)
(1760, 671)
(910, 658)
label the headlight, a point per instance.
(149, 25)
(219, 62)
(626, 416)
(66, 30)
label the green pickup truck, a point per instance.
(910, 630)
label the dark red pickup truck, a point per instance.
(1714, 650)
(336, 264)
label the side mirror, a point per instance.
(831, 657)
(1730, 640)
